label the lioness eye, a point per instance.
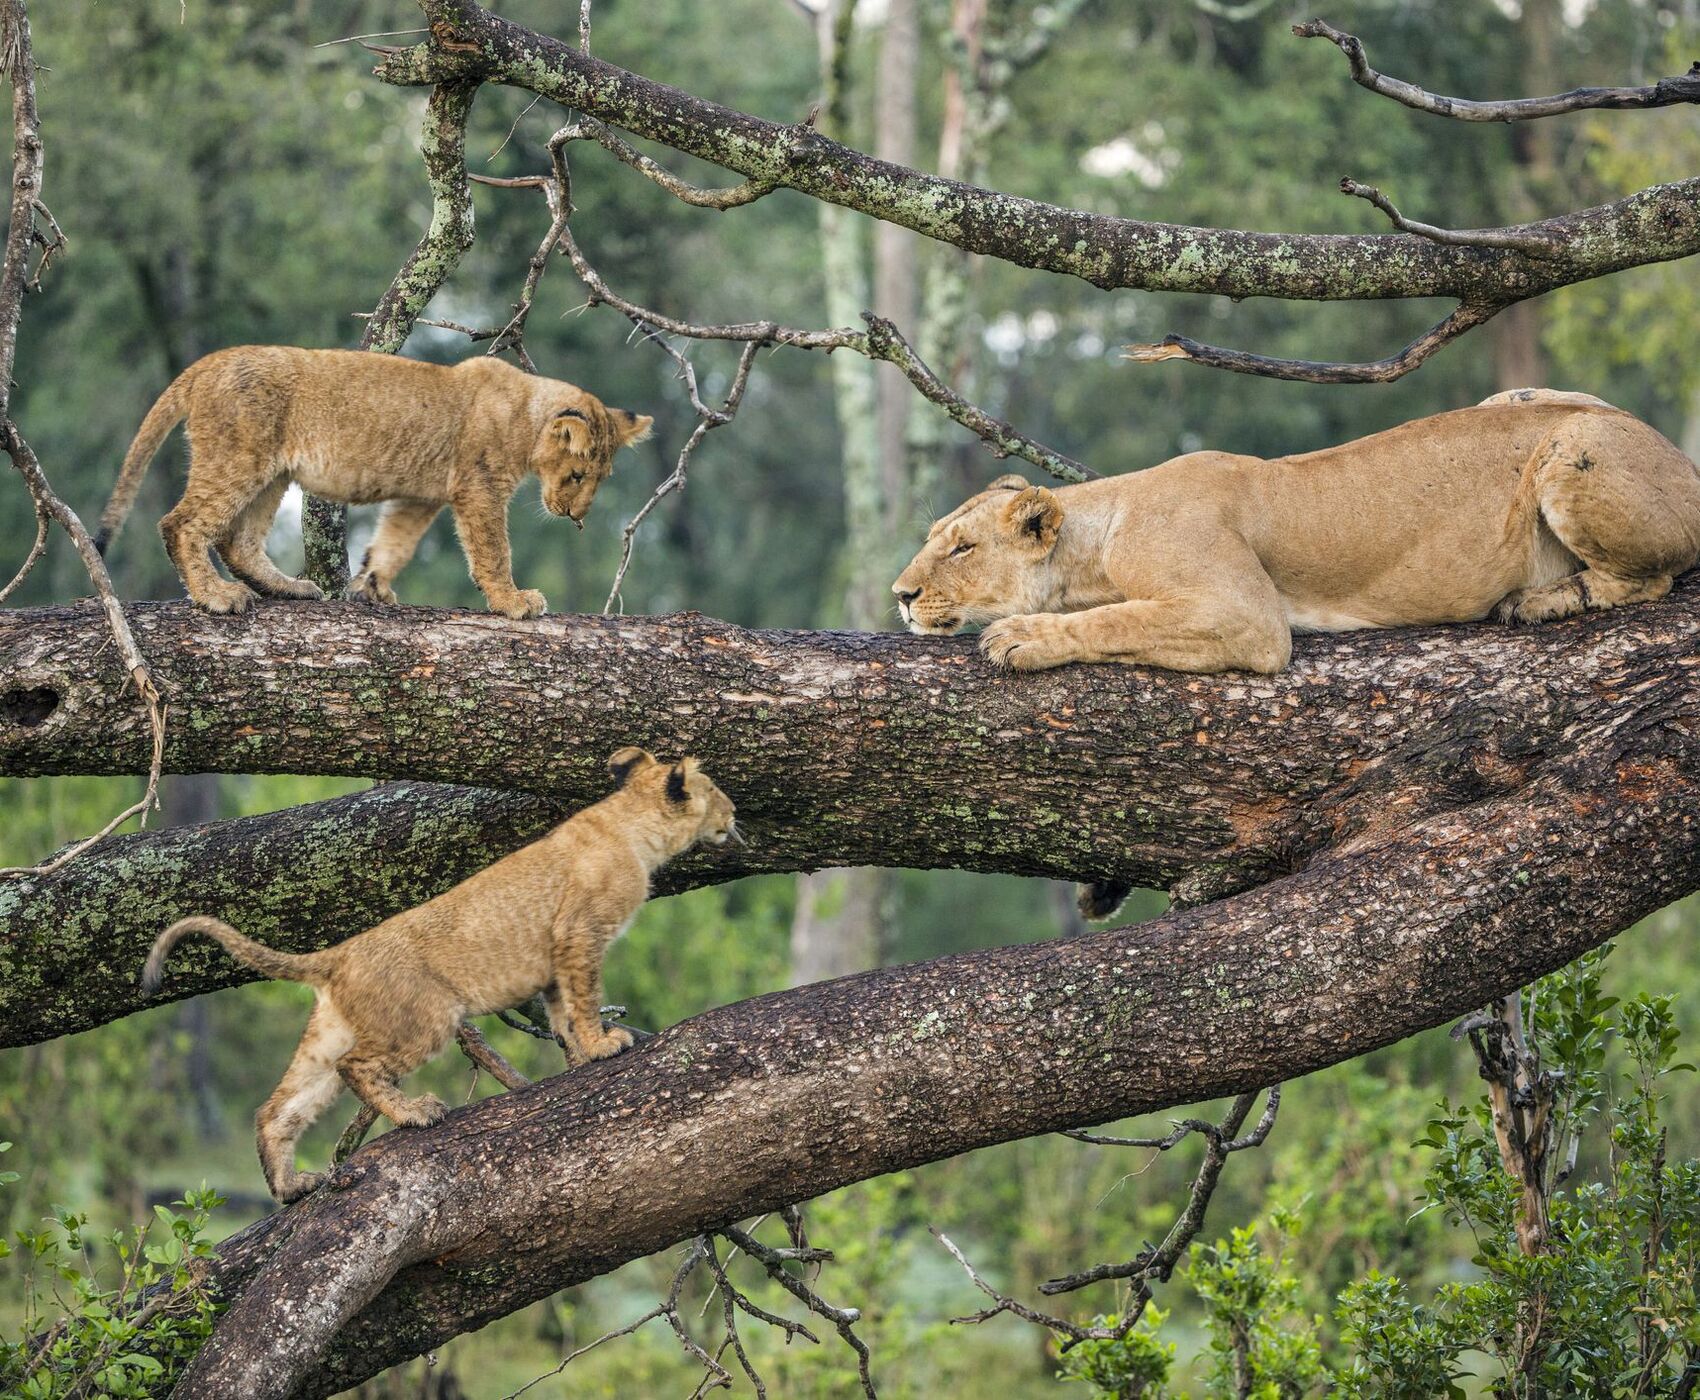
(962, 548)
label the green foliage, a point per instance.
(117, 1314)
(1134, 1366)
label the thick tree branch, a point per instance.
(1658, 224)
(899, 751)
(1666, 92)
(1399, 931)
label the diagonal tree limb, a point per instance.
(1664, 93)
(875, 1073)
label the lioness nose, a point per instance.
(905, 595)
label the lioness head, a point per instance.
(983, 561)
(574, 452)
(682, 792)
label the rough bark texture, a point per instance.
(898, 751)
(750, 1106)
(1655, 225)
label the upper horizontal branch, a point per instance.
(1655, 225)
(899, 751)
(1667, 92)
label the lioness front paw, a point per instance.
(369, 588)
(1028, 642)
(526, 603)
(608, 1044)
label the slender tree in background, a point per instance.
(1491, 804)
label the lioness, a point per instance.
(361, 428)
(1533, 505)
(538, 920)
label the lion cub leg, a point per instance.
(1624, 501)
(215, 497)
(373, 1080)
(574, 999)
(481, 517)
(243, 548)
(309, 1086)
(401, 526)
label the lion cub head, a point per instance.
(574, 452)
(985, 560)
(684, 796)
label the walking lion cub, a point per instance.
(1532, 506)
(361, 428)
(539, 920)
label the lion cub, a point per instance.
(358, 427)
(538, 920)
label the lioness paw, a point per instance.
(1023, 643)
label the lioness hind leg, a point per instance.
(243, 548)
(1623, 500)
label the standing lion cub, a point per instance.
(357, 427)
(538, 920)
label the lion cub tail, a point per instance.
(169, 409)
(290, 967)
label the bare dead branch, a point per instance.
(1154, 1263)
(1664, 93)
(1536, 244)
(43, 521)
(732, 197)
(1180, 347)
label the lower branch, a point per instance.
(902, 1066)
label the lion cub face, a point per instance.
(574, 453)
(987, 559)
(685, 795)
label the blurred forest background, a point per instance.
(225, 178)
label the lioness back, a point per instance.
(362, 428)
(1534, 506)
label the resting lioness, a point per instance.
(1530, 506)
(538, 920)
(361, 428)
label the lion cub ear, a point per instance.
(632, 427)
(1033, 518)
(622, 763)
(676, 784)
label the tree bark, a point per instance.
(1653, 226)
(899, 751)
(751, 1106)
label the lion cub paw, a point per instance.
(526, 603)
(608, 1044)
(304, 1185)
(421, 1112)
(368, 588)
(1027, 642)
(226, 597)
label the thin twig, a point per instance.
(42, 522)
(361, 38)
(1664, 93)
(1179, 347)
(1536, 245)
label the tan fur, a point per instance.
(1532, 506)
(363, 428)
(539, 920)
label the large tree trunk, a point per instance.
(898, 750)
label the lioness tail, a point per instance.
(290, 967)
(168, 411)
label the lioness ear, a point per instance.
(1033, 518)
(676, 784)
(1010, 482)
(633, 428)
(622, 763)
